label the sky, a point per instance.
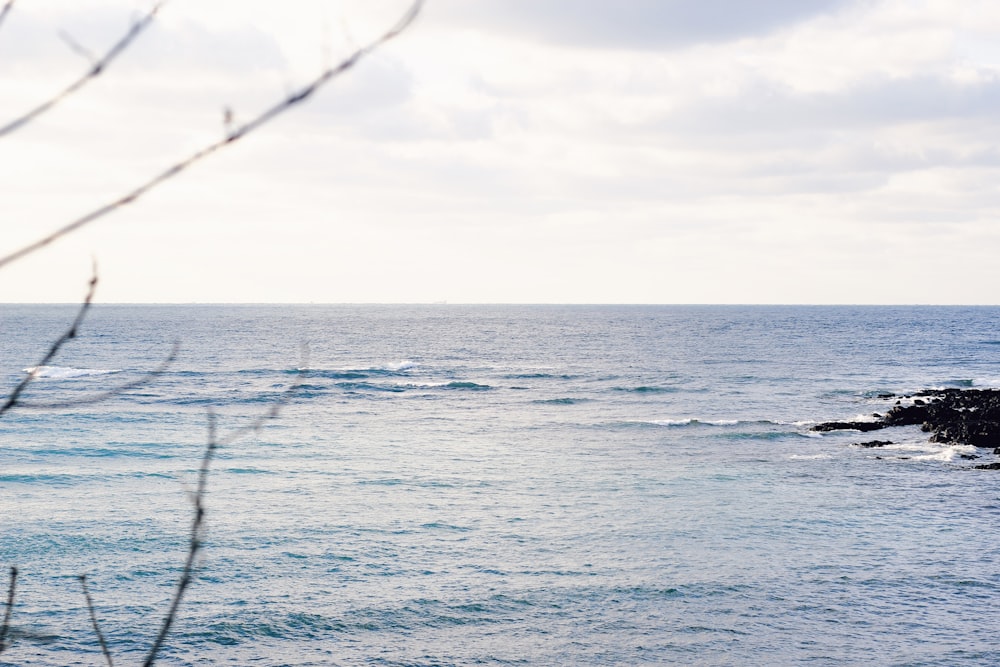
(512, 151)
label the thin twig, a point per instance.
(54, 349)
(5, 628)
(77, 48)
(194, 544)
(268, 115)
(114, 391)
(93, 620)
(197, 524)
(6, 10)
(276, 407)
(95, 70)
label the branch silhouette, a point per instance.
(198, 522)
(93, 620)
(263, 118)
(54, 349)
(214, 441)
(97, 67)
(104, 395)
(5, 628)
(194, 543)
(6, 10)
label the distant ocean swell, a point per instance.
(505, 485)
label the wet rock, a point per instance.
(906, 415)
(968, 431)
(849, 426)
(951, 416)
(875, 443)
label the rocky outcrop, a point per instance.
(849, 426)
(874, 443)
(961, 416)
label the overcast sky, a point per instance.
(637, 151)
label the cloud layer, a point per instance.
(802, 152)
(638, 24)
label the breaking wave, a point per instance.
(63, 372)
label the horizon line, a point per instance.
(502, 303)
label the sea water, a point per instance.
(499, 485)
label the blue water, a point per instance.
(501, 485)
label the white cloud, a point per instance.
(810, 152)
(636, 24)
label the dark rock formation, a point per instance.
(978, 432)
(875, 443)
(969, 416)
(849, 426)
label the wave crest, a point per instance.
(63, 372)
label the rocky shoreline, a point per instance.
(951, 416)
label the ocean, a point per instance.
(499, 485)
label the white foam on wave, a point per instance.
(707, 422)
(925, 451)
(394, 367)
(672, 422)
(403, 365)
(810, 457)
(944, 456)
(63, 372)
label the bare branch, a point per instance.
(5, 628)
(276, 407)
(114, 391)
(194, 544)
(197, 524)
(93, 620)
(6, 10)
(54, 349)
(266, 116)
(95, 70)
(77, 48)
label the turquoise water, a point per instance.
(542, 485)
